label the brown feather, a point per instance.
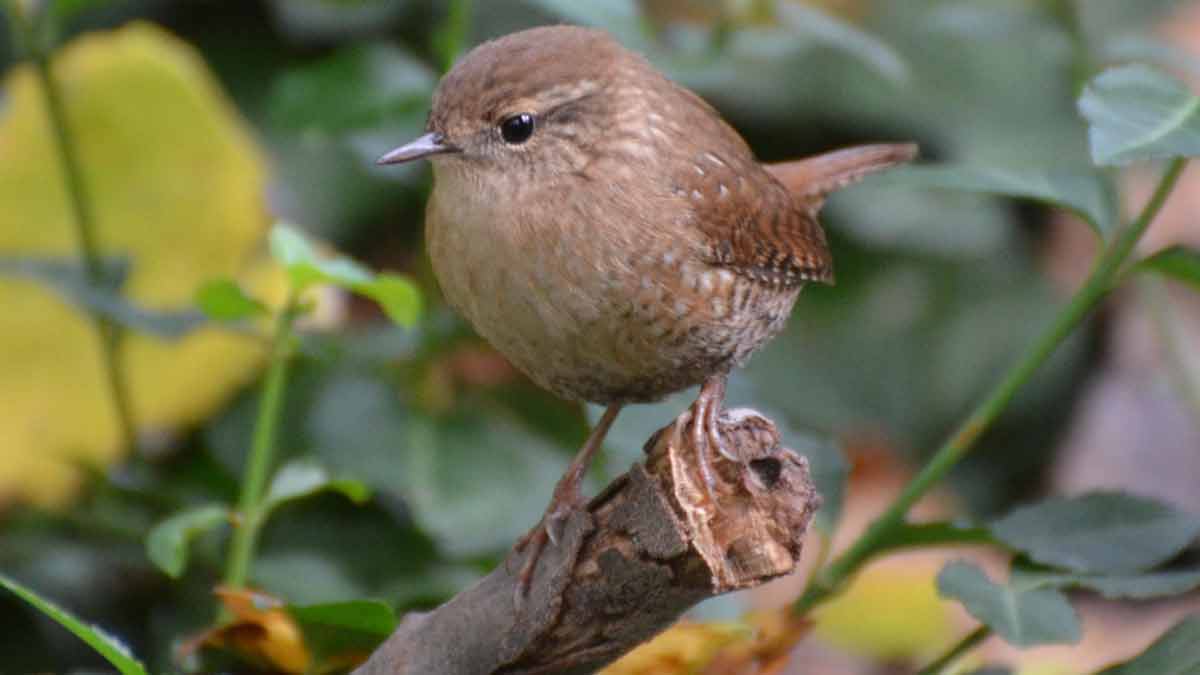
(753, 224)
(761, 220)
(810, 180)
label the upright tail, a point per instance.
(811, 179)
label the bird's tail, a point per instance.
(811, 179)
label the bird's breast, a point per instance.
(594, 310)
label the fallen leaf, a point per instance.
(776, 634)
(891, 611)
(261, 632)
(682, 649)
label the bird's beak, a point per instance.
(432, 143)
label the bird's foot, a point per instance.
(704, 417)
(567, 498)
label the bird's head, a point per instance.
(530, 104)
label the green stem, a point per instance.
(85, 226)
(262, 450)
(957, 650)
(1175, 362)
(1098, 284)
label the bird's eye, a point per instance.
(516, 129)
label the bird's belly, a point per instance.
(583, 339)
(615, 325)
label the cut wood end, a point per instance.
(753, 531)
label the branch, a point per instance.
(647, 548)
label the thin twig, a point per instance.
(85, 226)
(956, 651)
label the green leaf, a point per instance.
(1177, 262)
(107, 646)
(1143, 586)
(1148, 48)
(362, 87)
(827, 465)
(1106, 532)
(303, 478)
(314, 23)
(1138, 113)
(54, 19)
(895, 217)
(167, 543)
(70, 281)
(622, 18)
(1023, 617)
(1177, 652)
(293, 250)
(940, 334)
(1084, 194)
(450, 38)
(224, 300)
(826, 29)
(338, 628)
(66, 10)
(398, 297)
(477, 481)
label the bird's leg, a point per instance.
(704, 416)
(712, 393)
(567, 497)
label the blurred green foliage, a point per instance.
(939, 287)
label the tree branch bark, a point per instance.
(648, 547)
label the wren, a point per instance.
(611, 235)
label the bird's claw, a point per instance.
(707, 440)
(550, 529)
(555, 524)
(535, 542)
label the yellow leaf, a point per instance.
(682, 649)
(776, 634)
(177, 185)
(891, 612)
(261, 631)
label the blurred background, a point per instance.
(199, 123)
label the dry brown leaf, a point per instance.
(261, 632)
(683, 649)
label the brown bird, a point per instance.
(611, 235)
